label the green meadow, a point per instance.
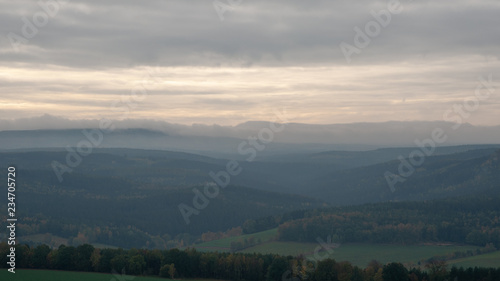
(50, 275)
(357, 253)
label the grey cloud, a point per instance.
(427, 59)
(98, 34)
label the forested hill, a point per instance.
(140, 192)
(467, 220)
(458, 174)
(131, 198)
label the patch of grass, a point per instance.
(282, 248)
(50, 275)
(224, 244)
(485, 260)
(357, 253)
(360, 254)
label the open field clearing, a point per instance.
(50, 275)
(486, 260)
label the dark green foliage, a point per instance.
(153, 262)
(119, 263)
(437, 270)
(260, 224)
(164, 271)
(483, 274)
(40, 254)
(83, 253)
(277, 268)
(66, 258)
(326, 270)
(395, 272)
(23, 256)
(357, 274)
(136, 265)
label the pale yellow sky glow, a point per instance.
(228, 96)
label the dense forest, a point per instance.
(227, 266)
(139, 191)
(466, 220)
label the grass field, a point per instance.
(282, 248)
(48, 275)
(225, 243)
(360, 254)
(486, 260)
(357, 254)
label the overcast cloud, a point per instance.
(263, 56)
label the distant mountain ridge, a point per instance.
(224, 141)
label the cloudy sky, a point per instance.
(190, 61)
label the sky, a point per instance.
(231, 61)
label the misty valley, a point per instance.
(176, 214)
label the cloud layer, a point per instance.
(89, 57)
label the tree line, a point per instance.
(474, 221)
(190, 263)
